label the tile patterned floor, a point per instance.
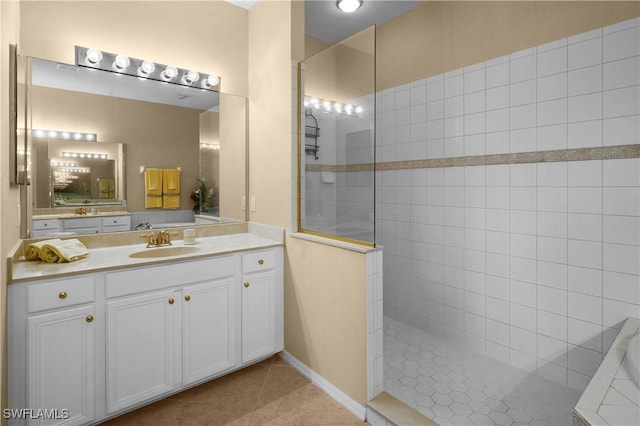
(452, 385)
(269, 393)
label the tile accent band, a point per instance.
(577, 154)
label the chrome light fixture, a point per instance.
(144, 69)
(61, 134)
(349, 6)
(332, 106)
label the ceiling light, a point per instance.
(348, 6)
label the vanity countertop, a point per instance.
(73, 215)
(117, 257)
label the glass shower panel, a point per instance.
(337, 140)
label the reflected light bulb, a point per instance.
(146, 69)
(94, 56)
(210, 81)
(121, 63)
(169, 73)
(190, 77)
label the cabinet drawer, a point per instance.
(83, 223)
(51, 224)
(157, 277)
(116, 228)
(258, 261)
(116, 221)
(61, 294)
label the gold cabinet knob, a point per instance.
(187, 298)
(171, 301)
(260, 262)
(89, 318)
(246, 284)
(62, 295)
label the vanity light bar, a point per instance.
(84, 155)
(121, 64)
(332, 106)
(61, 164)
(210, 146)
(59, 134)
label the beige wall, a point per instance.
(435, 37)
(312, 46)
(154, 135)
(233, 141)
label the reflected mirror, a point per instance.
(136, 125)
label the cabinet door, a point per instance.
(258, 315)
(61, 365)
(140, 348)
(208, 321)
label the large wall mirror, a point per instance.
(92, 134)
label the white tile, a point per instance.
(474, 197)
(497, 175)
(585, 308)
(522, 68)
(621, 287)
(552, 275)
(621, 258)
(497, 120)
(497, 61)
(522, 116)
(622, 73)
(585, 107)
(474, 176)
(552, 199)
(585, 227)
(522, 340)
(474, 123)
(418, 113)
(475, 218)
(498, 288)
(453, 86)
(585, 281)
(523, 269)
(552, 249)
(597, 33)
(522, 93)
(403, 98)
(585, 200)
(585, 173)
(552, 112)
(497, 142)
(497, 219)
(454, 127)
(552, 224)
(497, 332)
(451, 147)
(435, 129)
(587, 254)
(622, 44)
(497, 197)
(523, 222)
(552, 350)
(583, 360)
(454, 106)
(577, 381)
(550, 138)
(552, 87)
(435, 88)
(620, 26)
(498, 264)
(552, 325)
(552, 300)
(585, 80)
(621, 229)
(523, 140)
(623, 201)
(435, 110)
(523, 174)
(474, 81)
(552, 174)
(523, 246)
(419, 93)
(585, 334)
(523, 198)
(584, 54)
(585, 134)
(615, 313)
(474, 102)
(497, 98)
(497, 75)
(621, 102)
(621, 131)
(552, 61)
(497, 242)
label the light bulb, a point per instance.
(89, 137)
(169, 73)
(210, 81)
(338, 107)
(121, 63)
(94, 56)
(190, 77)
(65, 135)
(348, 108)
(103, 156)
(349, 6)
(53, 134)
(358, 110)
(40, 133)
(146, 69)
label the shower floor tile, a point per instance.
(453, 385)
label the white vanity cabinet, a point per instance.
(102, 343)
(52, 350)
(43, 227)
(81, 225)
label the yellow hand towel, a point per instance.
(33, 251)
(153, 188)
(63, 251)
(107, 188)
(170, 188)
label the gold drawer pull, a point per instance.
(89, 318)
(246, 284)
(171, 301)
(62, 295)
(260, 262)
(187, 298)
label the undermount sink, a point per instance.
(164, 252)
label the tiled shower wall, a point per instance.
(536, 264)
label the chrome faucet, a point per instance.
(163, 238)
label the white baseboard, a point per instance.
(342, 398)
